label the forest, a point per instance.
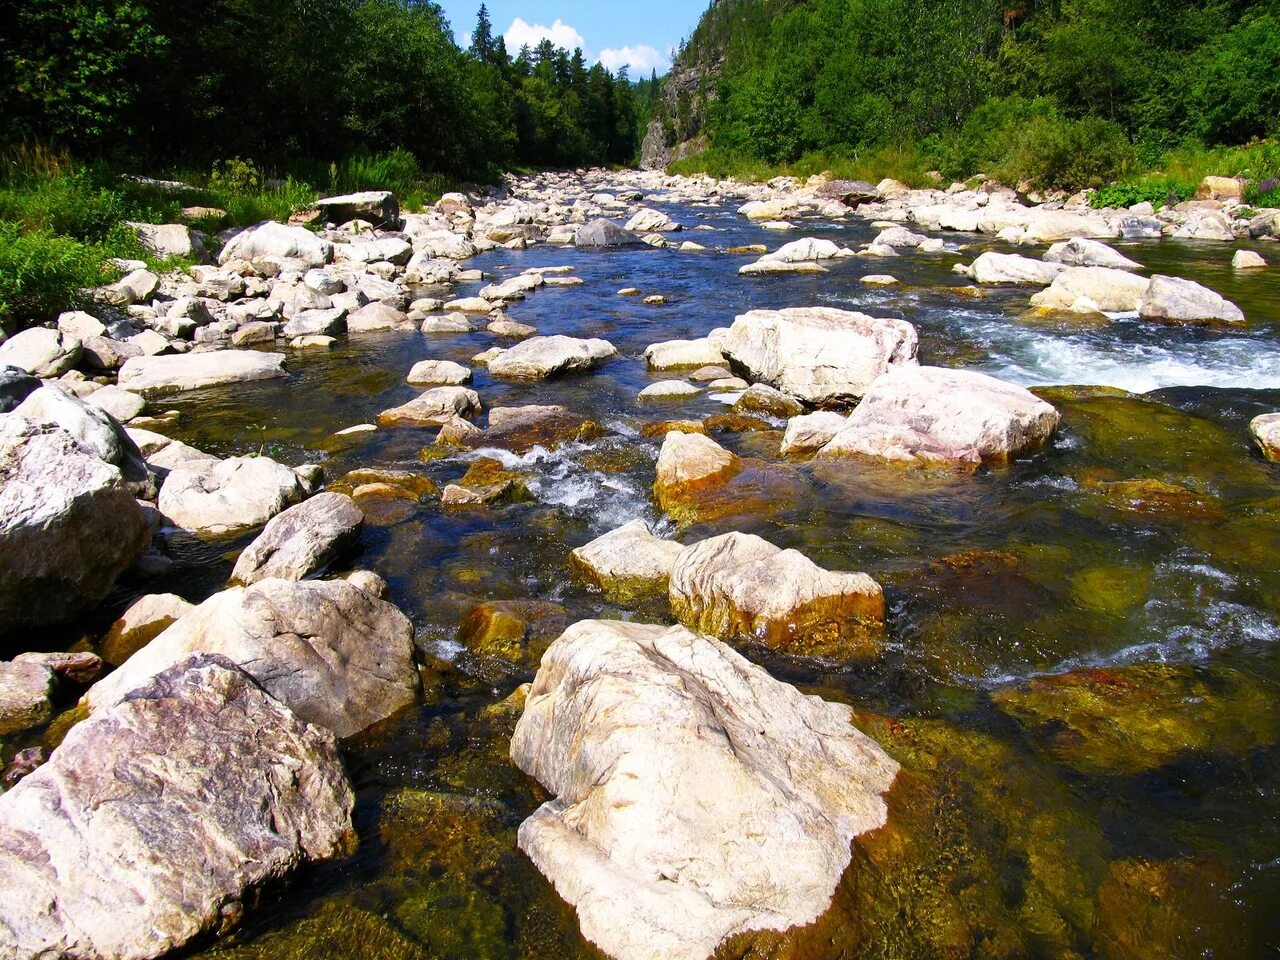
(1064, 92)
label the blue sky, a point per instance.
(613, 32)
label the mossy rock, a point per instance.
(510, 636)
(1150, 497)
(1113, 589)
(735, 423)
(335, 930)
(661, 428)
(752, 490)
(1128, 720)
(386, 482)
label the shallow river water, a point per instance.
(1082, 676)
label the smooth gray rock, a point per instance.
(162, 375)
(378, 207)
(15, 386)
(302, 541)
(41, 352)
(605, 233)
(1176, 300)
(541, 357)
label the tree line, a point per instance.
(168, 83)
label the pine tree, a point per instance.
(482, 44)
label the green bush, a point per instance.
(1067, 154)
(42, 275)
(1264, 194)
(1157, 190)
(982, 144)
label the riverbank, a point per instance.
(394, 468)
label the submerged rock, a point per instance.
(741, 587)
(335, 655)
(932, 414)
(302, 541)
(819, 354)
(509, 636)
(228, 496)
(520, 429)
(541, 357)
(1266, 434)
(161, 375)
(157, 816)
(695, 796)
(627, 564)
(68, 525)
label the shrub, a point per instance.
(235, 176)
(42, 275)
(1068, 154)
(1159, 191)
(69, 204)
(1264, 194)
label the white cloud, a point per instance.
(641, 58)
(560, 34)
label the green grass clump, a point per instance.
(41, 275)
(1158, 190)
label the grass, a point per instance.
(908, 164)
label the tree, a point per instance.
(483, 47)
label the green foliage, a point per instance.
(1067, 154)
(235, 176)
(41, 275)
(1158, 191)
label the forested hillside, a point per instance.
(287, 80)
(1069, 91)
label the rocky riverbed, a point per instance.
(643, 566)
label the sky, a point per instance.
(615, 32)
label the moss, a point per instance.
(1111, 588)
(510, 636)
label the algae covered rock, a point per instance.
(695, 797)
(510, 636)
(688, 463)
(628, 563)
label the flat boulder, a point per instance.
(1174, 300)
(694, 796)
(68, 525)
(158, 816)
(1009, 268)
(302, 541)
(676, 354)
(378, 207)
(280, 242)
(628, 563)
(434, 407)
(935, 415)
(741, 587)
(228, 496)
(336, 656)
(163, 375)
(541, 357)
(852, 193)
(1093, 290)
(41, 352)
(603, 233)
(818, 354)
(802, 251)
(1080, 252)
(430, 373)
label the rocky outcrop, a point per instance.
(157, 817)
(68, 525)
(331, 653)
(935, 415)
(818, 354)
(302, 541)
(541, 357)
(628, 563)
(741, 587)
(163, 375)
(228, 496)
(695, 797)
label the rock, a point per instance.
(68, 525)
(1247, 260)
(669, 390)
(1175, 300)
(809, 433)
(651, 221)
(448, 323)
(513, 289)
(40, 352)
(275, 240)
(81, 325)
(695, 797)
(375, 317)
(432, 408)
(26, 691)
(604, 233)
(146, 619)
(162, 375)
(739, 586)
(951, 416)
(506, 327)
(818, 354)
(656, 300)
(689, 463)
(378, 207)
(1266, 434)
(302, 541)
(510, 636)
(1008, 268)
(487, 482)
(80, 668)
(627, 564)
(1079, 252)
(674, 354)
(94, 429)
(780, 266)
(541, 357)
(163, 454)
(1093, 289)
(255, 332)
(170, 240)
(229, 496)
(1206, 225)
(469, 305)
(852, 193)
(138, 286)
(879, 280)
(899, 238)
(1050, 226)
(106, 354)
(316, 323)
(312, 342)
(1265, 226)
(762, 398)
(438, 372)
(806, 250)
(123, 405)
(520, 429)
(15, 386)
(157, 817)
(1220, 188)
(331, 653)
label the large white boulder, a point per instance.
(933, 414)
(335, 655)
(541, 357)
(280, 242)
(1080, 252)
(159, 376)
(158, 814)
(1009, 268)
(627, 563)
(302, 541)
(819, 354)
(1090, 289)
(800, 251)
(228, 496)
(41, 352)
(1176, 300)
(694, 796)
(675, 354)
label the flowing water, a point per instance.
(1082, 673)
